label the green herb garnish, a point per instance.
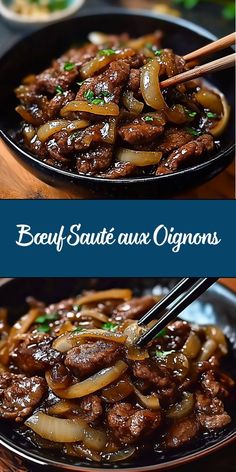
(106, 52)
(148, 118)
(77, 307)
(190, 113)
(47, 317)
(210, 114)
(69, 66)
(78, 329)
(110, 326)
(162, 354)
(80, 83)
(159, 52)
(43, 328)
(59, 89)
(105, 93)
(89, 95)
(97, 101)
(161, 333)
(193, 131)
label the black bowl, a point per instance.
(216, 306)
(34, 53)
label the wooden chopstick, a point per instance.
(214, 66)
(198, 287)
(211, 48)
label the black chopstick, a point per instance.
(178, 289)
(195, 288)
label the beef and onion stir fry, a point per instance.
(72, 378)
(99, 110)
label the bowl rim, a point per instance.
(220, 289)
(36, 162)
(19, 18)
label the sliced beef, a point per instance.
(182, 432)
(35, 354)
(160, 377)
(193, 149)
(134, 83)
(139, 131)
(128, 423)
(19, 395)
(173, 138)
(134, 308)
(172, 64)
(94, 160)
(211, 412)
(88, 358)
(90, 408)
(109, 84)
(119, 170)
(59, 101)
(177, 334)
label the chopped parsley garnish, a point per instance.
(69, 66)
(89, 95)
(110, 326)
(149, 46)
(97, 101)
(77, 308)
(106, 52)
(80, 83)
(105, 93)
(162, 354)
(59, 89)
(190, 113)
(78, 329)
(193, 131)
(47, 317)
(158, 52)
(148, 118)
(210, 114)
(161, 333)
(43, 328)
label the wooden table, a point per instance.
(16, 182)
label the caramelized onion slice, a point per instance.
(26, 115)
(138, 158)
(66, 430)
(132, 104)
(119, 455)
(100, 61)
(150, 86)
(192, 346)
(216, 334)
(110, 109)
(135, 353)
(90, 385)
(219, 127)
(208, 349)
(183, 408)
(52, 127)
(112, 294)
(210, 100)
(118, 391)
(68, 340)
(149, 401)
(93, 313)
(62, 407)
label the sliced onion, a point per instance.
(210, 100)
(28, 133)
(217, 335)
(178, 363)
(149, 401)
(93, 313)
(26, 115)
(139, 43)
(80, 451)
(52, 127)
(108, 131)
(65, 430)
(119, 455)
(90, 385)
(69, 340)
(81, 105)
(99, 62)
(208, 349)
(118, 391)
(132, 105)
(98, 38)
(62, 407)
(138, 158)
(112, 294)
(135, 353)
(192, 346)
(150, 86)
(183, 408)
(220, 125)
(23, 324)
